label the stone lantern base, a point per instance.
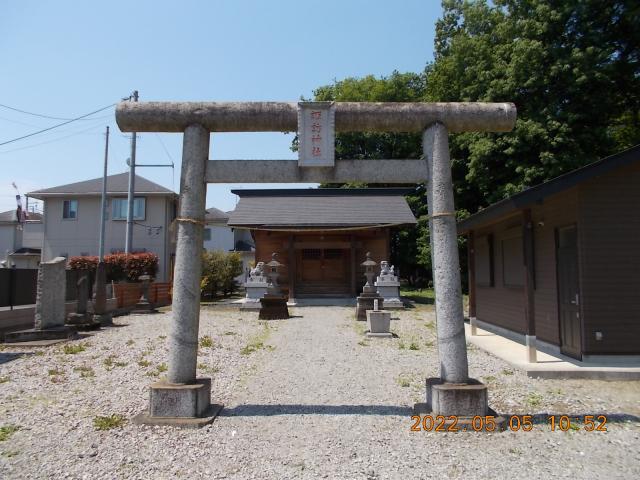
(273, 307)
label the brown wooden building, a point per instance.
(322, 235)
(561, 261)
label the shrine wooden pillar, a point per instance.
(292, 267)
(354, 265)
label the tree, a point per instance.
(219, 270)
(571, 67)
(398, 87)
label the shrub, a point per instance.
(219, 270)
(119, 266)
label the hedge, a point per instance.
(120, 266)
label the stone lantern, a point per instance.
(369, 293)
(273, 305)
(272, 273)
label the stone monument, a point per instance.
(256, 287)
(369, 294)
(273, 305)
(388, 286)
(81, 319)
(379, 322)
(100, 313)
(144, 306)
(50, 306)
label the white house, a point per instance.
(20, 244)
(72, 219)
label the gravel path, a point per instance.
(307, 397)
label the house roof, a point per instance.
(10, 216)
(116, 184)
(213, 215)
(540, 192)
(321, 208)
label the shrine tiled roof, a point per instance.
(331, 208)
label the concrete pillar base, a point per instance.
(34, 335)
(186, 405)
(459, 399)
(532, 353)
(474, 326)
(104, 318)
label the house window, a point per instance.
(512, 262)
(207, 234)
(484, 261)
(311, 254)
(70, 209)
(119, 208)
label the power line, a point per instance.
(55, 126)
(51, 141)
(35, 114)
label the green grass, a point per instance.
(401, 345)
(162, 368)
(403, 381)
(6, 431)
(85, 371)
(107, 423)
(144, 363)
(363, 343)
(206, 342)
(507, 372)
(130, 342)
(230, 333)
(73, 349)
(55, 371)
(257, 342)
(534, 399)
(419, 295)
(414, 346)
(108, 362)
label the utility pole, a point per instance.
(132, 180)
(103, 204)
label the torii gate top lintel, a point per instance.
(283, 116)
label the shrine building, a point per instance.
(322, 235)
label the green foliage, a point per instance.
(206, 341)
(219, 270)
(119, 266)
(107, 423)
(571, 68)
(6, 431)
(73, 349)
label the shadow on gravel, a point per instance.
(6, 357)
(543, 418)
(271, 410)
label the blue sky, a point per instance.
(68, 58)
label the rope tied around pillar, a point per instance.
(190, 220)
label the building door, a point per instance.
(568, 291)
(322, 272)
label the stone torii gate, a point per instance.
(186, 400)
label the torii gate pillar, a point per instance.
(184, 399)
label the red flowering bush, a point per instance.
(120, 266)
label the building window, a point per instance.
(332, 254)
(119, 208)
(311, 254)
(512, 262)
(484, 261)
(70, 209)
(207, 234)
